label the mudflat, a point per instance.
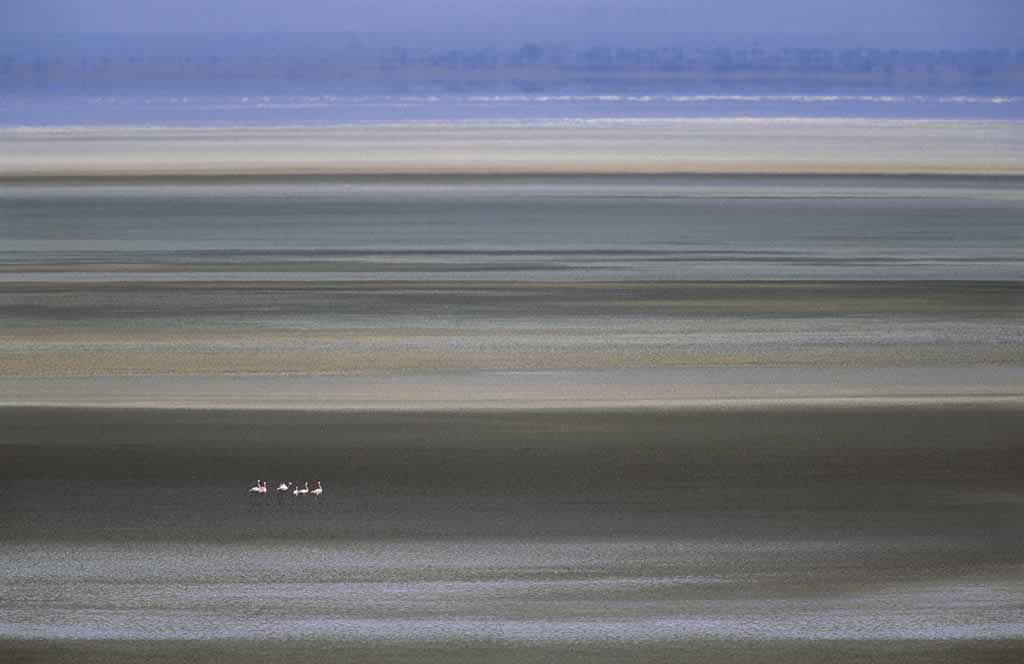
(556, 418)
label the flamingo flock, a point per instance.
(286, 488)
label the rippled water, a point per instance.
(541, 591)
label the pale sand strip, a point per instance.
(827, 146)
(725, 404)
(512, 390)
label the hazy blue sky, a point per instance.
(907, 23)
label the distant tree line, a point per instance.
(184, 61)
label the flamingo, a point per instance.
(282, 490)
(318, 491)
(259, 489)
(301, 492)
